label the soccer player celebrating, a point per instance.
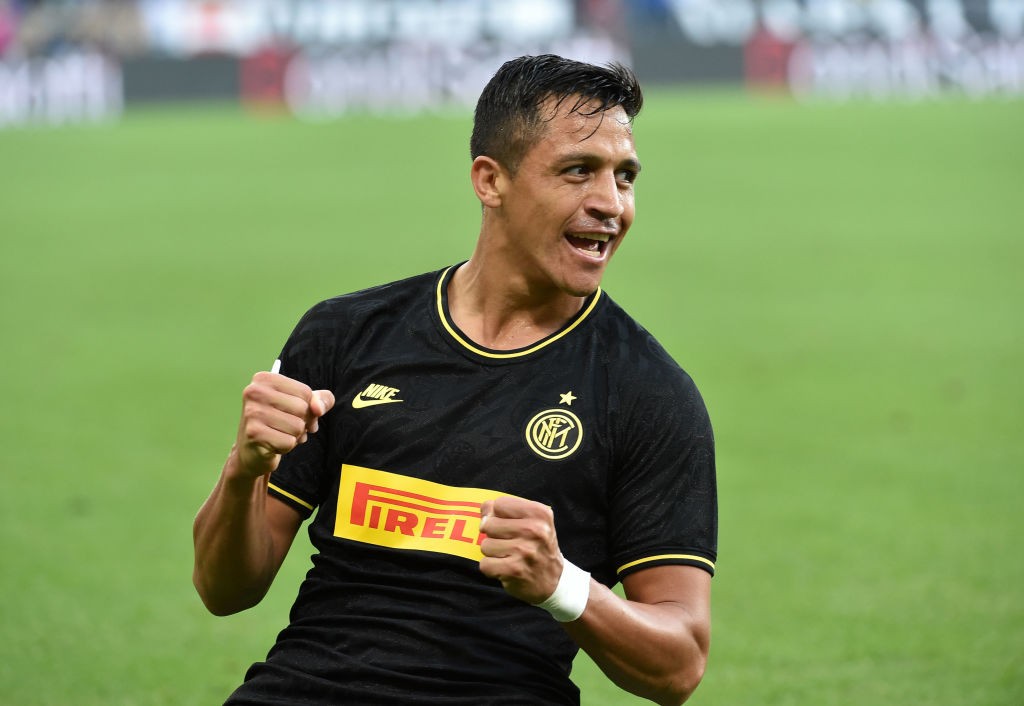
(488, 449)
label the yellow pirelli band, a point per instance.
(285, 493)
(660, 557)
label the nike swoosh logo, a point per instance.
(358, 402)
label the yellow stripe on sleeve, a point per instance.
(690, 557)
(285, 493)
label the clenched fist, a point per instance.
(521, 549)
(278, 414)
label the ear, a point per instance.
(488, 178)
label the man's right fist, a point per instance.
(278, 414)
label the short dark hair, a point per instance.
(508, 114)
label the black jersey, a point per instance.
(596, 421)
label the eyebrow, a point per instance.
(590, 158)
(633, 164)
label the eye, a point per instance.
(627, 176)
(576, 170)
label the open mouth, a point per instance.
(590, 244)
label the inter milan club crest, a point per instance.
(554, 434)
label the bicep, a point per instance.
(686, 589)
(283, 522)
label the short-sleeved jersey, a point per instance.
(596, 421)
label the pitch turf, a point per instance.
(843, 282)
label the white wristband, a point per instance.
(569, 600)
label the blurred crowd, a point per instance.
(41, 28)
(128, 28)
(64, 59)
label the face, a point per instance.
(570, 203)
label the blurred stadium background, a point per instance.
(76, 60)
(829, 239)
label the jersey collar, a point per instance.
(463, 341)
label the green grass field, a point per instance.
(843, 282)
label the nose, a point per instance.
(605, 200)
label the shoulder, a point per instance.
(331, 325)
(346, 314)
(627, 343)
(645, 377)
(365, 301)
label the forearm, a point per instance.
(654, 650)
(234, 552)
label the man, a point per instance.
(488, 449)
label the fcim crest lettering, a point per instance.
(554, 434)
(391, 510)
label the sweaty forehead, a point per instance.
(565, 125)
(586, 116)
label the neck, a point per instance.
(501, 311)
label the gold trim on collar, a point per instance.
(450, 328)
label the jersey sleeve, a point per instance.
(300, 479)
(664, 495)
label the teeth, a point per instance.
(603, 237)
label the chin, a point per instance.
(584, 281)
(582, 288)
(575, 277)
